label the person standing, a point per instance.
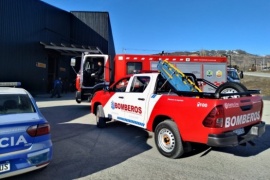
(57, 86)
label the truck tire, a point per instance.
(230, 87)
(78, 97)
(168, 140)
(100, 117)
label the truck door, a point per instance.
(115, 106)
(89, 67)
(136, 100)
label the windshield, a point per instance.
(233, 75)
(15, 103)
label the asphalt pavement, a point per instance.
(121, 151)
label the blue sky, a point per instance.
(151, 26)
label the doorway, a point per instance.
(52, 72)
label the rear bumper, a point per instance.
(22, 171)
(232, 139)
(35, 157)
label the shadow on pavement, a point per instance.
(261, 144)
(46, 97)
(80, 148)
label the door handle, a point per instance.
(141, 99)
(121, 97)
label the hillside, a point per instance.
(242, 59)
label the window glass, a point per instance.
(133, 66)
(233, 74)
(121, 85)
(139, 83)
(15, 103)
(162, 85)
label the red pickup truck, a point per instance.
(179, 118)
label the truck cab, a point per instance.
(233, 75)
(93, 73)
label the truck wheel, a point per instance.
(168, 139)
(100, 117)
(78, 97)
(78, 101)
(230, 87)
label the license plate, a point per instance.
(4, 167)
(239, 131)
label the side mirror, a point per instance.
(73, 62)
(241, 74)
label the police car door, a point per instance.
(136, 100)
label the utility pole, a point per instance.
(228, 55)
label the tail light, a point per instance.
(38, 130)
(215, 118)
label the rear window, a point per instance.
(15, 103)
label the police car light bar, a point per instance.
(10, 84)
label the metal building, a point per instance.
(37, 41)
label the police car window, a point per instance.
(14, 104)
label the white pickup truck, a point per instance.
(228, 117)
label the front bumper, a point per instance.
(232, 139)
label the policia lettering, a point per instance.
(127, 107)
(12, 141)
(242, 119)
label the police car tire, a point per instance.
(167, 130)
(100, 117)
(232, 86)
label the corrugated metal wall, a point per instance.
(97, 34)
(94, 27)
(24, 23)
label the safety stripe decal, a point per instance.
(130, 121)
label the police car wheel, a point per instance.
(230, 87)
(100, 117)
(168, 139)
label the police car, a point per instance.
(25, 140)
